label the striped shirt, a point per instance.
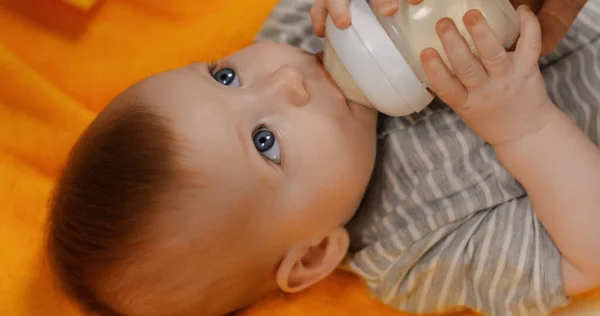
(444, 226)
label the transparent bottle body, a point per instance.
(412, 28)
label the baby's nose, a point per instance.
(288, 83)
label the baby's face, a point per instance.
(275, 154)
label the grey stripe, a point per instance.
(493, 295)
(521, 260)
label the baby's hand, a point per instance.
(501, 95)
(340, 12)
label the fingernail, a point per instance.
(390, 7)
(429, 55)
(471, 17)
(341, 20)
(444, 25)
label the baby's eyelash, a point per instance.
(212, 66)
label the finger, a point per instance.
(556, 17)
(386, 7)
(340, 12)
(530, 43)
(441, 80)
(414, 2)
(492, 54)
(466, 66)
(318, 15)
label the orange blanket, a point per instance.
(58, 67)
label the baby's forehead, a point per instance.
(194, 108)
(169, 87)
(185, 96)
(212, 142)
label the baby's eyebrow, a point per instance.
(202, 70)
(244, 142)
(199, 68)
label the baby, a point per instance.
(200, 190)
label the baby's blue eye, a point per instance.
(227, 76)
(266, 144)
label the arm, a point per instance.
(560, 169)
(502, 97)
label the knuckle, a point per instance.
(479, 35)
(466, 71)
(448, 95)
(531, 71)
(444, 94)
(495, 59)
(536, 43)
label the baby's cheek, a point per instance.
(333, 158)
(322, 196)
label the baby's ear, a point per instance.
(306, 264)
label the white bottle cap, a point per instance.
(375, 64)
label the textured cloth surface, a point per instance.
(59, 65)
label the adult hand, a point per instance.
(556, 17)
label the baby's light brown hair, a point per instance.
(114, 181)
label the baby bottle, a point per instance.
(376, 62)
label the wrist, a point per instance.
(520, 125)
(544, 129)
